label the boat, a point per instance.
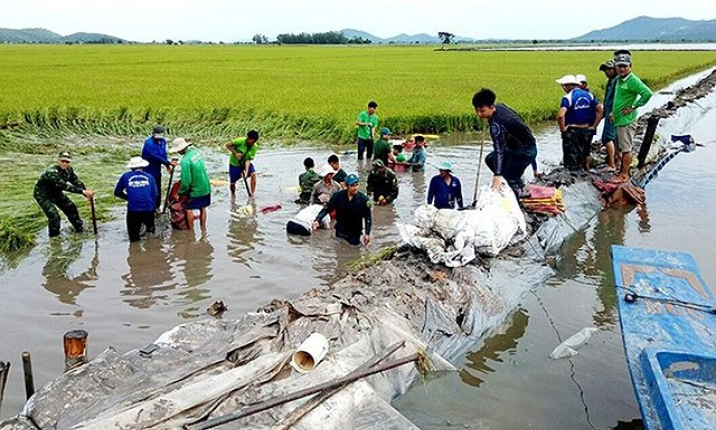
(668, 321)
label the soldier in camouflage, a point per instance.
(49, 193)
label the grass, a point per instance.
(51, 94)
(288, 92)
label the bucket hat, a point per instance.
(327, 170)
(137, 163)
(568, 80)
(445, 165)
(179, 144)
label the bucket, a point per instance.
(310, 353)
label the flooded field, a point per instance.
(126, 295)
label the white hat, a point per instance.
(568, 80)
(327, 170)
(581, 78)
(179, 144)
(137, 163)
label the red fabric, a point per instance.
(539, 192)
(271, 208)
(177, 212)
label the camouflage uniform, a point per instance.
(382, 184)
(49, 193)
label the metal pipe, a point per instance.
(262, 406)
(27, 370)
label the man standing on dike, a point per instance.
(445, 191)
(514, 145)
(630, 94)
(578, 117)
(352, 210)
(140, 191)
(155, 152)
(49, 194)
(609, 133)
(382, 148)
(367, 122)
(382, 184)
(243, 151)
(194, 182)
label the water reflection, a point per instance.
(149, 274)
(493, 348)
(57, 273)
(194, 257)
(243, 231)
(609, 230)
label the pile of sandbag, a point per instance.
(454, 237)
(544, 200)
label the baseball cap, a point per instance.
(445, 165)
(351, 179)
(385, 130)
(609, 64)
(158, 131)
(65, 156)
(622, 60)
(378, 163)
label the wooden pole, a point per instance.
(262, 406)
(75, 345)
(94, 215)
(4, 370)
(27, 370)
(169, 189)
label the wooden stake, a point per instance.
(4, 370)
(27, 370)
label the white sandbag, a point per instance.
(497, 221)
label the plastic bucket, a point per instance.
(310, 353)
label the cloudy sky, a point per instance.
(235, 20)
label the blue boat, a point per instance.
(668, 321)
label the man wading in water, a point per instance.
(352, 210)
(49, 193)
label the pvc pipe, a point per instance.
(310, 353)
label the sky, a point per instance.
(232, 20)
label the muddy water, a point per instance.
(126, 295)
(508, 382)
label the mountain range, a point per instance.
(641, 29)
(40, 35)
(645, 28)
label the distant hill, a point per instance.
(40, 35)
(401, 38)
(645, 28)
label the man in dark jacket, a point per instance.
(382, 184)
(49, 193)
(514, 145)
(140, 191)
(155, 152)
(352, 210)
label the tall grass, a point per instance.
(287, 91)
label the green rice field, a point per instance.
(287, 92)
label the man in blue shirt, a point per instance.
(154, 151)
(418, 157)
(445, 189)
(514, 145)
(578, 117)
(140, 191)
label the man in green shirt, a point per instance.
(630, 94)
(609, 133)
(367, 122)
(243, 151)
(382, 148)
(194, 181)
(49, 194)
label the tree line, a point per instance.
(328, 38)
